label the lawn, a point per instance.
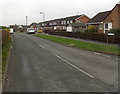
(82, 45)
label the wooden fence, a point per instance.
(91, 36)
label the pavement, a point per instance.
(39, 65)
(0, 62)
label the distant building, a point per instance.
(104, 21)
(19, 27)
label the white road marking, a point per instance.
(75, 66)
(41, 46)
(97, 53)
(106, 55)
(11, 47)
(117, 58)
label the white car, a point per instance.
(11, 31)
(31, 31)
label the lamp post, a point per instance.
(43, 15)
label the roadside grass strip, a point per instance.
(83, 45)
(5, 53)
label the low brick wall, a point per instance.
(91, 36)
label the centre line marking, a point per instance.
(75, 66)
(41, 46)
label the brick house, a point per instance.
(62, 23)
(104, 21)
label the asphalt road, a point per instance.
(39, 65)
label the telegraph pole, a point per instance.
(26, 20)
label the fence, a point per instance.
(91, 36)
(5, 37)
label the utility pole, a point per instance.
(26, 20)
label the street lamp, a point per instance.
(43, 15)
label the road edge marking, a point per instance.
(106, 55)
(41, 46)
(74, 66)
(97, 53)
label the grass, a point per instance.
(5, 53)
(83, 45)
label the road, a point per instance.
(39, 65)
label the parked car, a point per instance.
(11, 30)
(31, 31)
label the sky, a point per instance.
(15, 11)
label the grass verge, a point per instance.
(5, 53)
(83, 45)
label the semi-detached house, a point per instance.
(104, 21)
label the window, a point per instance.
(62, 22)
(67, 22)
(71, 21)
(50, 24)
(106, 26)
(100, 26)
(54, 23)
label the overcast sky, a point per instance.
(15, 11)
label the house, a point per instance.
(62, 23)
(104, 21)
(33, 25)
(76, 27)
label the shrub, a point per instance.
(39, 31)
(91, 29)
(115, 31)
(5, 36)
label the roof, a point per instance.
(66, 18)
(72, 17)
(77, 24)
(99, 17)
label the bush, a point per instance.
(91, 29)
(5, 36)
(39, 31)
(115, 31)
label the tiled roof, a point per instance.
(66, 18)
(99, 17)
